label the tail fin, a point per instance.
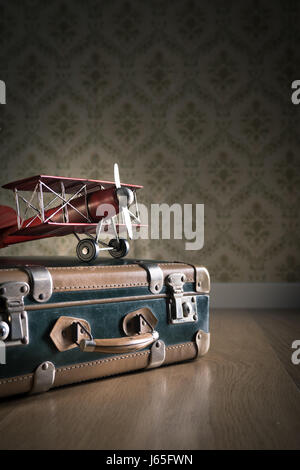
(8, 217)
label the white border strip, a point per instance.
(255, 295)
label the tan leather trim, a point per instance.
(74, 278)
(15, 385)
(13, 274)
(120, 364)
(97, 369)
(107, 277)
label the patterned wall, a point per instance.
(191, 98)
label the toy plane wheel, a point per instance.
(87, 250)
(121, 247)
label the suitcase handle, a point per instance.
(119, 345)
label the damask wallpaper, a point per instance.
(191, 98)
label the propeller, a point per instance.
(117, 176)
(125, 197)
(128, 223)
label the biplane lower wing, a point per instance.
(53, 229)
(8, 217)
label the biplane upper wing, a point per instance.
(54, 183)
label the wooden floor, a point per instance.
(245, 394)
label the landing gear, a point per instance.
(120, 247)
(87, 250)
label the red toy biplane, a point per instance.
(77, 213)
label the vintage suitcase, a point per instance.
(63, 322)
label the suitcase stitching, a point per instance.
(17, 379)
(95, 363)
(96, 267)
(100, 286)
(108, 285)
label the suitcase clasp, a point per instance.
(13, 318)
(182, 309)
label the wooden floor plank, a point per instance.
(241, 395)
(281, 330)
(256, 402)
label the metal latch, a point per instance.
(157, 354)
(13, 318)
(40, 282)
(182, 309)
(154, 274)
(43, 378)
